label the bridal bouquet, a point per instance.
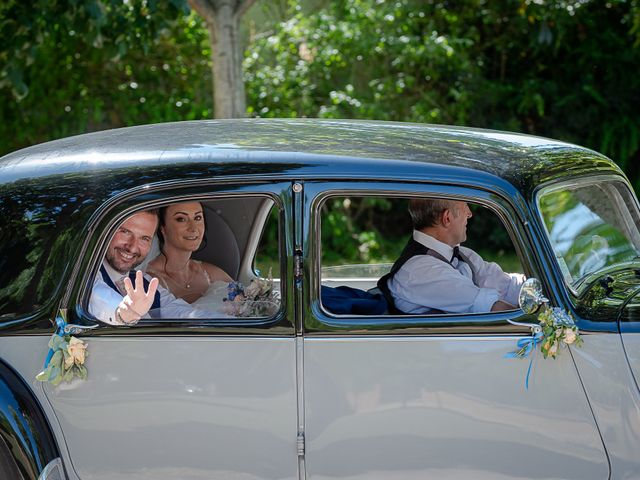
(258, 299)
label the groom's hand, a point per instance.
(136, 303)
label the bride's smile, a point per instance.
(184, 226)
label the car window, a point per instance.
(592, 227)
(361, 238)
(197, 253)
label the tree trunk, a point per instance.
(223, 20)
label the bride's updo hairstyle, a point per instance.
(162, 214)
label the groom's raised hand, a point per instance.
(137, 302)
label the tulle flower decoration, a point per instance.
(66, 357)
(258, 299)
(556, 329)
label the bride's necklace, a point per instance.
(187, 282)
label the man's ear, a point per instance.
(445, 217)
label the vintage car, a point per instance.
(307, 391)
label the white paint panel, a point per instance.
(614, 397)
(188, 408)
(435, 407)
(632, 348)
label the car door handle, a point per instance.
(73, 329)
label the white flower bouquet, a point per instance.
(258, 299)
(66, 361)
(558, 329)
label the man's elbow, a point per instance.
(501, 306)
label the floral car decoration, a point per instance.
(66, 357)
(557, 329)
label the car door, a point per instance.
(434, 396)
(630, 330)
(171, 399)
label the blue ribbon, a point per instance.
(60, 332)
(526, 345)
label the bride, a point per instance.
(180, 233)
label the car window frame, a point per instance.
(105, 222)
(320, 322)
(250, 264)
(575, 290)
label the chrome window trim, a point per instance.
(247, 266)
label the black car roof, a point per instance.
(318, 148)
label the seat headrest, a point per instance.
(220, 246)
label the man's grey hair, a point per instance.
(426, 212)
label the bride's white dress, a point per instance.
(213, 299)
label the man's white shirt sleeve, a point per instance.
(104, 302)
(490, 275)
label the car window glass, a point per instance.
(267, 258)
(591, 227)
(197, 254)
(361, 238)
(41, 218)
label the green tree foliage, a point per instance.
(376, 229)
(363, 229)
(556, 68)
(69, 67)
(563, 69)
(363, 59)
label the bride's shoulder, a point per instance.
(214, 272)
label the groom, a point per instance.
(121, 296)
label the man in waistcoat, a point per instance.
(434, 274)
(122, 296)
